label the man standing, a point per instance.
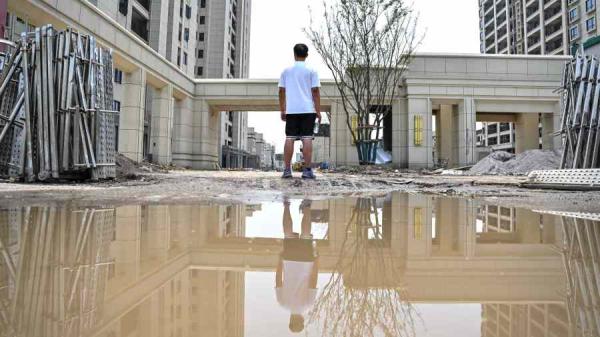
(300, 105)
(298, 268)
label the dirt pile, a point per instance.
(127, 169)
(504, 163)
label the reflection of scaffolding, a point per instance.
(519, 320)
(60, 267)
(581, 252)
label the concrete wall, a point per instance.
(186, 110)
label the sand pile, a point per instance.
(504, 163)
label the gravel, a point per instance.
(504, 163)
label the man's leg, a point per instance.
(307, 151)
(288, 151)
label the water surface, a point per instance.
(396, 265)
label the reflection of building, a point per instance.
(158, 270)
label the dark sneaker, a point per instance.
(307, 173)
(287, 173)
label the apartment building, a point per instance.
(203, 38)
(532, 27)
(223, 47)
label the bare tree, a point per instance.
(367, 45)
(364, 295)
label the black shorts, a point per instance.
(302, 250)
(300, 125)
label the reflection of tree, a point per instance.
(363, 296)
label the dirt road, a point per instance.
(252, 186)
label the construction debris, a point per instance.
(505, 163)
(56, 108)
(580, 127)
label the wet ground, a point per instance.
(377, 264)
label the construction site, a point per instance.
(135, 199)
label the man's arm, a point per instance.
(278, 274)
(282, 103)
(314, 274)
(316, 95)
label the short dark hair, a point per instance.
(296, 323)
(301, 50)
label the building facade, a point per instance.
(202, 38)
(533, 27)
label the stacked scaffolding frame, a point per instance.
(56, 107)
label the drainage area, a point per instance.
(393, 265)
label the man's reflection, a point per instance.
(297, 270)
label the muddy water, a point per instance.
(395, 265)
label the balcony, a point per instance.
(552, 11)
(548, 3)
(554, 44)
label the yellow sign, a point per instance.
(418, 127)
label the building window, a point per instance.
(185, 59)
(504, 127)
(504, 139)
(574, 32)
(179, 34)
(178, 56)
(202, 3)
(202, 19)
(590, 24)
(180, 8)
(492, 128)
(186, 35)
(118, 76)
(139, 24)
(201, 37)
(573, 14)
(199, 71)
(123, 6)
(200, 53)
(117, 106)
(188, 11)
(492, 141)
(590, 5)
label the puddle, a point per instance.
(398, 265)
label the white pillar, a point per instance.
(183, 132)
(400, 133)
(162, 125)
(465, 132)
(131, 120)
(419, 155)
(206, 128)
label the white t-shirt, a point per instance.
(295, 294)
(298, 82)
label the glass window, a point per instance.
(574, 32)
(200, 53)
(180, 29)
(573, 14)
(118, 76)
(202, 3)
(185, 59)
(202, 19)
(186, 35)
(201, 37)
(589, 5)
(178, 56)
(590, 24)
(188, 11)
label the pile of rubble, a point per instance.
(505, 163)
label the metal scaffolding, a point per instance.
(580, 122)
(581, 258)
(56, 107)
